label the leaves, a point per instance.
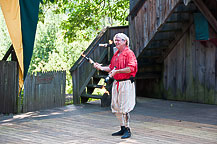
(87, 17)
(5, 40)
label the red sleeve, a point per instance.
(111, 66)
(132, 62)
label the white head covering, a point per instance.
(123, 37)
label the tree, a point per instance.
(51, 52)
(87, 17)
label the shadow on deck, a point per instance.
(152, 121)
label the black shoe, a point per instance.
(119, 133)
(127, 133)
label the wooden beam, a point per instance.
(176, 21)
(156, 48)
(136, 9)
(162, 40)
(206, 12)
(91, 96)
(179, 35)
(185, 11)
(170, 30)
(8, 53)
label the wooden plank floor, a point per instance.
(153, 121)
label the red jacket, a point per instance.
(125, 59)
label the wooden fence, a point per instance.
(8, 87)
(44, 90)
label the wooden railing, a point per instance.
(82, 71)
(149, 15)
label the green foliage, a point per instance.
(87, 17)
(5, 40)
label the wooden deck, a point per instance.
(153, 121)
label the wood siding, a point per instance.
(190, 70)
(45, 90)
(147, 21)
(8, 87)
(133, 3)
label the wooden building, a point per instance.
(175, 42)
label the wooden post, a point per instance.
(109, 52)
(8, 87)
(75, 80)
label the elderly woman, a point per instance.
(123, 68)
